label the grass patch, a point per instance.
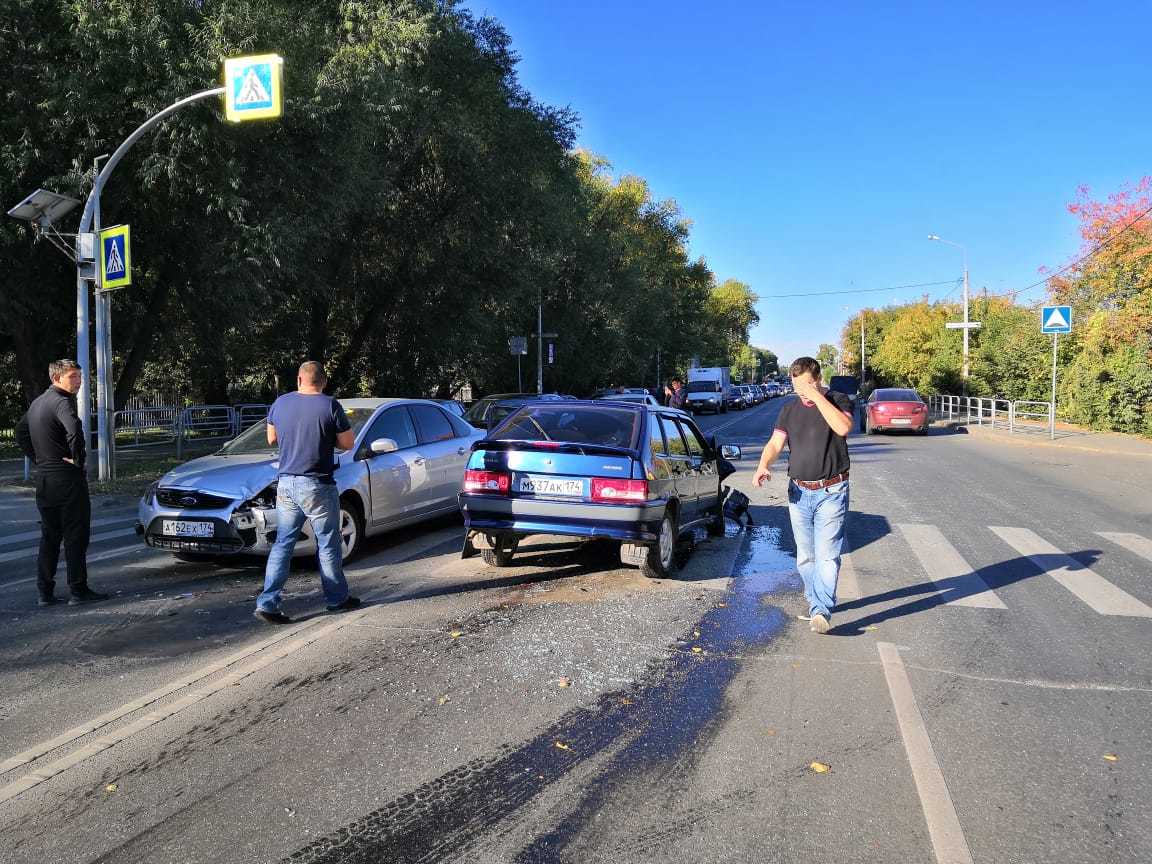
(135, 472)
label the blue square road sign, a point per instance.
(1056, 319)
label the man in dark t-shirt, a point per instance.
(815, 427)
(308, 426)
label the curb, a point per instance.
(1028, 440)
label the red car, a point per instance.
(891, 408)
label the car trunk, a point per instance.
(557, 470)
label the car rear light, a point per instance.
(883, 409)
(611, 489)
(917, 409)
(487, 481)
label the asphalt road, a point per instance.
(983, 695)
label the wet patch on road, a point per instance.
(628, 737)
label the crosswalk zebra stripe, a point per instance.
(948, 569)
(1096, 591)
(1142, 546)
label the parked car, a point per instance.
(706, 394)
(734, 399)
(480, 414)
(452, 405)
(634, 398)
(639, 474)
(750, 396)
(893, 408)
(405, 467)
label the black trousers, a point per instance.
(65, 517)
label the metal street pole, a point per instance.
(90, 217)
(539, 340)
(519, 377)
(863, 360)
(1052, 409)
(967, 325)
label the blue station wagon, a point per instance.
(637, 473)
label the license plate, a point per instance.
(901, 421)
(180, 528)
(537, 485)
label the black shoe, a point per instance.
(47, 601)
(272, 617)
(86, 596)
(349, 603)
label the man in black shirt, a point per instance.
(815, 427)
(51, 435)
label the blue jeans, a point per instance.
(298, 499)
(818, 517)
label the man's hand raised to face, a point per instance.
(806, 388)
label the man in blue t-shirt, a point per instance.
(308, 425)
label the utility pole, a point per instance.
(540, 337)
(863, 361)
(965, 325)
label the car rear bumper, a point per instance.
(502, 515)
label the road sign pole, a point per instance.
(519, 377)
(539, 340)
(1052, 409)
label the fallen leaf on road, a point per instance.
(721, 605)
(111, 787)
(564, 682)
(443, 700)
(871, 627)
(696, 649)
(560, 745)
(820, 767)
(456, 634)
(769, 731)
(1111, 757)
(696, 634)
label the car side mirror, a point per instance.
(384, 445)
(731, 452)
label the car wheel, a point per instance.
(923, 431)
(351, 530)
(501, 553)
(660, 560)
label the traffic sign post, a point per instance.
(1055, 320)
(253, 87)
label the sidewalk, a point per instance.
(1068, 437)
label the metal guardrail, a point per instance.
(1013, 415)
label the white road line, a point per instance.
(944, 828)
(270, 655)
(848, 585)
(1100, 594)
(1142, 546)
(948, 569)
(92, 559)
(24, 536)
(96, 538)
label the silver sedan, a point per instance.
(406, 466)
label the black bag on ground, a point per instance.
(736, 506)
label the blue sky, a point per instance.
(815, 146)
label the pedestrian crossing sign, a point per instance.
(115, 257)
(253, 87)
(1056, 319)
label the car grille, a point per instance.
(187, 499)
(194, 544)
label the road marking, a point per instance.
(23, 536)
(948, 569)
(1142, 546)
(848, 585)
(96, 538)
(92, 559)
(939, 812)
(1100, 594)
(273, 651)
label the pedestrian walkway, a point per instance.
(1069, 438)
(958, 584)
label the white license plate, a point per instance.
(901, 421)
(180, 528)
(537, 485)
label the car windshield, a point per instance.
(613, 427)
(255, 438)
(703, 386)
(897, 396)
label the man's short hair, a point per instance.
(805, 364)
(313, 372)
(59, 367)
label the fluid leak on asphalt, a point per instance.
(626, 736)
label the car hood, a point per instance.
(238, 477)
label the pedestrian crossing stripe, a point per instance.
(1056, 319)
(115, 257)
(959, 584)
(253, 87)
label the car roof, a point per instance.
(372, 402)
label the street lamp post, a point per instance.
(965, 325)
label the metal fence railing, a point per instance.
(1014, 415)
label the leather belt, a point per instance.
(820, 484)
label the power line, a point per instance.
(856, 290)
(1078, 261)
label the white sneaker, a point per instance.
(820, 624)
